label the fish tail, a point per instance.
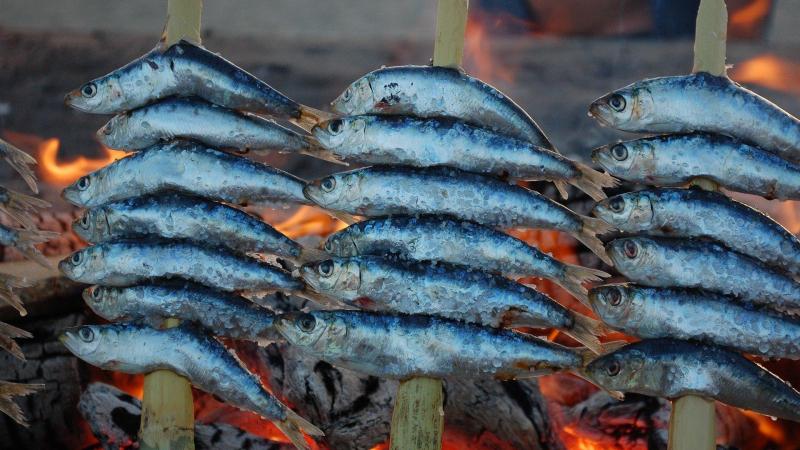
(576, 276)
(294, 426)
(349, 219)
(20, 207)
(562, 188)
(7, 294)
(593, 181)
(588, 236)
(310, 117)
(21, 162)
(26, 241)
(8, 391)
(316, 150)
(517, 318)
(586, 331)
(322, 300)
(311, 254)
(7, 335)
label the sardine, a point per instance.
(665, 262)
(197, 120)
(439, 238)
(128, 263)
(183, 69)
(7, 335)
(391, 190)
(671, 368)
(221, 313)
(681, 104)
(397, 346)
(696, 315)
(189, 168)
(430, 91)
(699, 213)
(26, 240)
(182, 217)
(678, 159)
(21, 207)
(8, 391)
(209, 366)
(20, 162)
(416, 142)
(8, 283)
(444, 290)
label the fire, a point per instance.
(309, 221)
(768, 427)
(770, 71)
(581, 442)
(747, 21)
(478, 58)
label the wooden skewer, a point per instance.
(418, 416)
(692, 424)
(167, 403)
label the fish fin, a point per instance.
(294, 426)
(562, 188)
(311, 254)
(322, 300)
(21, 162)
(593, 181)
(588, 236)
(586, 331)
(7, 285)
(574, 278)
(7, 335)
(26, 241)
(611, 347)
(8, 391)
(310, 117)
(20, 207)
(344, 217)
(316, 150)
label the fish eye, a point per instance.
(107, 129)
(617, 102)
(84, 222)
(86, 334)
(616, 204)
(619, 152)
(347, 94)
(95, 293)
(76, 258)
(325, 268)
(613, 368)
(335, 126)
(328, 246)
(614, 297)
(83, 183)
(328, 184)
(631, 249)
(89, 90)
(306, 323)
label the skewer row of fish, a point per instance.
(711, 277)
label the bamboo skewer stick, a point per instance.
(418, 416)
(167, 403)
(692, 424)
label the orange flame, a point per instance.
(58, 172)
(478, 58)
(309, 221)
(770, 71)
(747, 22)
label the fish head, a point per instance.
(626, 159)
(86, 261)
(94, 344)
(342, 133)
(613, 303)
(318, 330)
(83, 191)
(106, 302)
(626, 109)
(102, 95)
(633, 254)
(341, 244)
(93, 225)
(619, 371)
(337, 277)
(356, 99)
(632, 211)
(334, 191)
(116, 132)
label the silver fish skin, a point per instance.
(197, 120)
(680, 104)
(689, 314)
(439, 238)
(445, 290)
(25, 241)
(672, 368)
(189, 168)
(185, 350)
(392, 190)
(221, 313)
(678, 159)
(429, 91)
(182, 217)
(128, 263)
(410, 141)
(699, 213)
(183, 69)
(397, 346)
(665, 262)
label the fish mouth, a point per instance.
(71, 100)
(310, 191)
(599, 111)
(68, 338)
(71, 195)
(599, 156)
